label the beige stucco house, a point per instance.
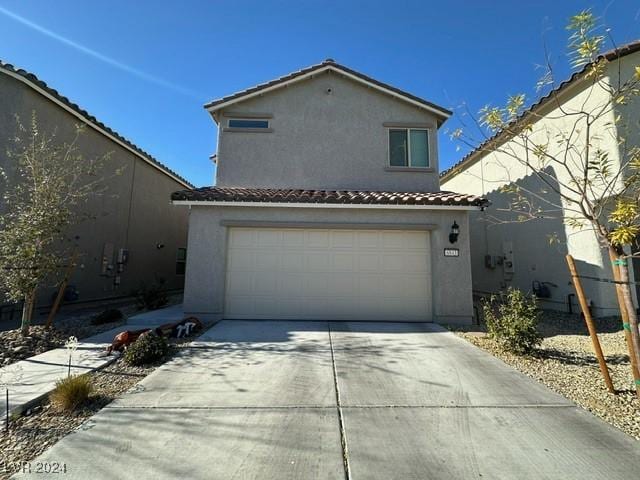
(327, 206)
(136, 236)
(521, 254)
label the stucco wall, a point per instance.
(133, 213)
(535, 258)
(321, 140)
(204, 289)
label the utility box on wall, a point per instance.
(508, 265)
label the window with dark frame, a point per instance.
(181, 261)
(409, 147)
(247, 123)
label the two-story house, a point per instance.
(327, 206)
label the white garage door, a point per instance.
(314, 274)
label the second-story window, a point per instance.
(248, 123)
(409, 147)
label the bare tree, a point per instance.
(52, 179)
(587, 169)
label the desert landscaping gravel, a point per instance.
(41, 427)
(565, 363)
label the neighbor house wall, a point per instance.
(134, 212)
(322, 140)
(540, 245)
(204, 288)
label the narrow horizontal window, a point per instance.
(247, 123)
(409, 147)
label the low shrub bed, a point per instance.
(147, 349)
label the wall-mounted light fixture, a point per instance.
(159, 245)
(455, 231)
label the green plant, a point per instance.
(148, 348)
(152, 297)
(71, 392)
(108, 316)
(511, 320)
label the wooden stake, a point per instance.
(590, 325)
(63, 287)
(625, 321)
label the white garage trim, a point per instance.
(328, 274)
(331, 225)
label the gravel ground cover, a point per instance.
(565, 363)
(42, 426)
(14, 347)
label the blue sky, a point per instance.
(145, 68)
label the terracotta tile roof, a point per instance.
(610, 55)
(354, 197)
(31, 79)
(444, 113)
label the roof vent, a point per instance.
(329, 60)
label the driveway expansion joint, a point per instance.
(343, 432)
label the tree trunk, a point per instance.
(27, 312)
(631, 311)
(613, 255)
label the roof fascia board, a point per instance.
(333, 68)
(324, 205)
(92, 125)
(501, 138)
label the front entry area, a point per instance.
(328, 274)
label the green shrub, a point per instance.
(108, 316)
(71, 392)
(511, 320)
(148, 348)
(152, 297)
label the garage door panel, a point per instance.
(318, 261)
(242, 238)
(293, 262)
(269, 238)
(317, 238)
(368, 262)
(291, 284)
(328, 274)
(264, 283)
(342, 285)
(241, 261)
(394, 263)
(239, 281)
(268, 262)
(368, 239)
(293, 238)
(316, 285)
(342, 262)
(417, 263)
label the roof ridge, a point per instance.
(33, 79)
(329, 62)
(610, 55)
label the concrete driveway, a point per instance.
(332, 400)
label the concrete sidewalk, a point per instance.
(33, 378)
(353, 400)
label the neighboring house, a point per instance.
(327, 206)
(521, 254)
(136, 236)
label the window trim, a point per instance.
(408, 167)
(247, 119)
